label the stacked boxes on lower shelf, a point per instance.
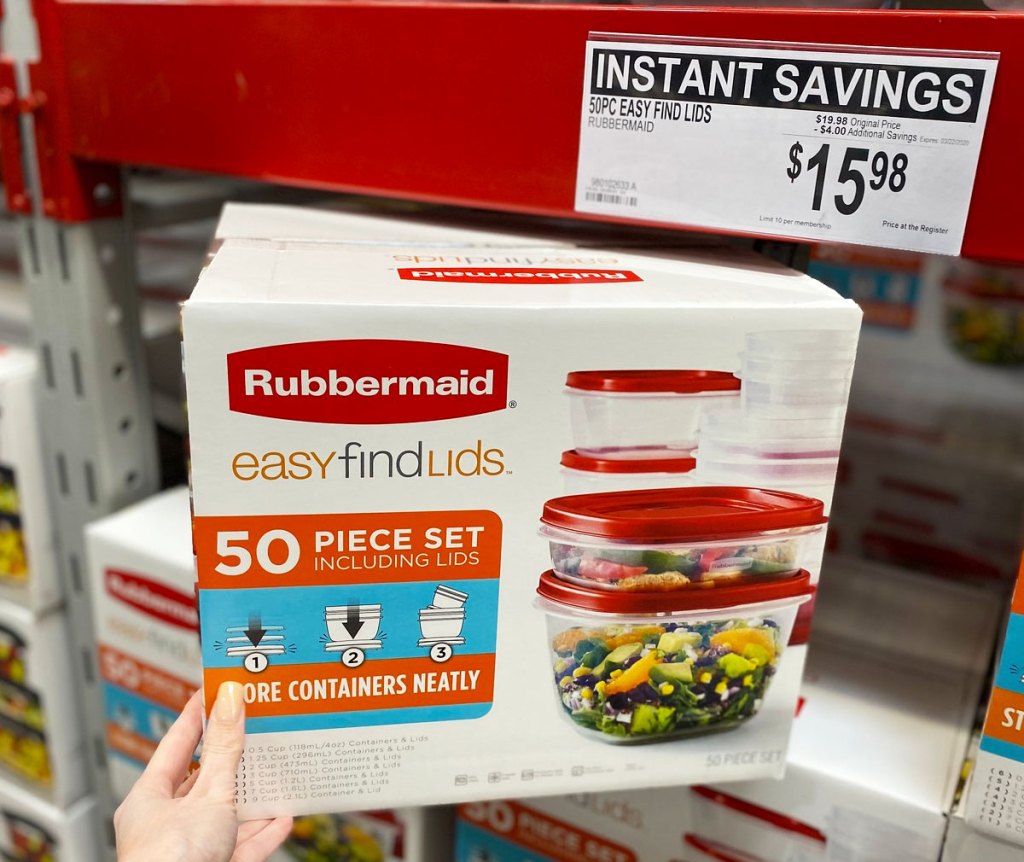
(45, 813)
(885, 722)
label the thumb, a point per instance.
(222, 743)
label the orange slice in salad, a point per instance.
(738, 639)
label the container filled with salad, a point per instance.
(669, 539)
(584, 474)
(649, 667)
(644, 413)
(984, 314)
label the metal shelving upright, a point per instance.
(471, 104)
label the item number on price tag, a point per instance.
(860, 171)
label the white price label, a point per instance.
(859, 145)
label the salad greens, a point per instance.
(331, 838)
(651, 569)
(652, 682)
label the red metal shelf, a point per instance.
(468, 104)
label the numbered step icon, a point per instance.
(256, 662)
(255, 644)
(441, 623)
(353, 657)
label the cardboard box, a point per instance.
(995, 798)
(32, 830)
(142, 576)
(28, 570)
(401, 835)
(41, 741)
(352, 550)
(874, 763)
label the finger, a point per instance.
(187, 785)
(222, 744)
(174, 753)
(248, 829)
(259, 847)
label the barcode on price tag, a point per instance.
(860, 145)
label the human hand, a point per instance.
(171, 818)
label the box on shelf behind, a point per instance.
(995, 797)
(377, 432)
(142, 576)
(28, 565)
(41, 742)
(882, 792)
(32, 830)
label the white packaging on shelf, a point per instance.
(28, 565)
(142, 576)
(486, 430)
(41, 742)
(32, 830)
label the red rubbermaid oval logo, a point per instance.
(158, 600)
(521, 275)
(367, 381)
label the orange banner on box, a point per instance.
(143, 679)
(306, 689)
(1005, 718)
(554, 839)
(314, 550)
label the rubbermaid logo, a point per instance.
(367, 381)
(158, 600)
(521, 275)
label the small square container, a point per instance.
(677, 539)
(652, 667)
(583, 474)
(643, 413)
(803, 344)
(755, 829)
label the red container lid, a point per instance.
(720, 852)
(696, 598)
(575, 461)
(682, 514)
(775, 818)
(663, 380)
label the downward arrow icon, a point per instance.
(255, 631)
(353, 625)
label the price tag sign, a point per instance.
(812, 142)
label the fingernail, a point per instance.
(228, 706)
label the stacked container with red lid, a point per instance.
(638, 428)
(668, 609)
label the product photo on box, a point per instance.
(388, 561)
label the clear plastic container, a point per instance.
(803, 344)
(810, 477)
(754, 829)
(746, 447)
(643, 414)
(442, 622)
(796, 393)
(679, 539)
(728, 423)
(585, 475)
(771, 368)
(651, 667)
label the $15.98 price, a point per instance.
(859, 172)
